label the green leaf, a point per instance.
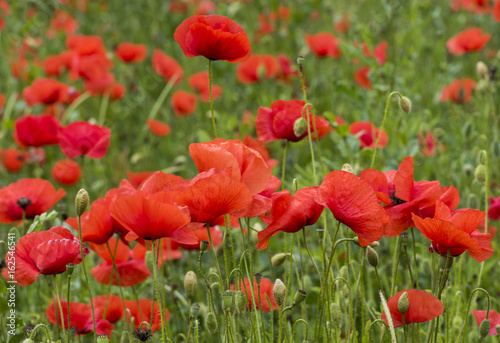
(17, 338)
(3, 288)
(4, 306)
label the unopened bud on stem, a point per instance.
(81, 201)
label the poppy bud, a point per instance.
(480, 173)
(241, 301)
(150, 262)
(211, 322)
(70, 267)
(299, 127)
(374, 244)
(102, 339)
(472, 201)
(81, 201)
(468, 169)
(321, 232)
(300, 60)
(457, 322)
(467, 130)
(355, 240)
(484, 328)
(125, 337)
(190, 284)
(204, 245)
(482, 70)
(371, 256)
(336, 315)
(404, 238)
(405, 104)
(195, 309)
(403, 303)
(227, 301)
(300, 296)
(279, 259)
(348, 168)
(258, 277)
(497, 327)
(279, 292)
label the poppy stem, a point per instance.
(86, 277)
(214, 253)
(395, 262)
(47, 332)
(414, 257)
(211, 99)
(158, 299)
(58, 300)
(413, 284)
(103, 109)
(67, 300)
(382, 127)
(371, 325)
(471, 298)
(306, 108)
(283, 166)
(78, 101)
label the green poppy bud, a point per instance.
(258, 278)
(482, 70)
(480, 173)
(405, 104)
(300, 296)
(195, 309)
(70, 267)
(227, 301)
(190, 284)
(279, 292)
(204, 245)
(241, 301)
(81, 201)
(336, 314)
(371, 256)
(102, 339)
(403, 303)
(279, 259)
(211, 322)
(484, 328)
(299, 127)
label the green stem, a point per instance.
(395, 262)
(283, 166)
(212, 247)
(78, 101)
(47, 332)
(103, 109)
(414, 257)
(158, 299)
(468, 309)
(211, 100)
(58, 298)
(163, 95)
(67, 300)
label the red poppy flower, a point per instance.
(469, 40)
(285, 71)
(167, 67)
(35, 195)
(158, 128)
(200, 84)
(45, 252)
(114, 306)
(256, 68)
(141, 311)
(496, 10)
(204, 7)
(278, 121)
(213, 36)
(266, 288)
(130, 52)
(151, 217)
(53, 65)
(246, 165)
(132, 271)
(96, 224)
(82, 138)
(449, 196)
(136, 179)
(290, 213)
(380, 52)
(459, 91)
(4, 10)
(353, 203)
(423, 307)
(476, 6)
(37, 130)
(493, 317)
(362, 79)
(183, 103)
(62, 21)
(212, 194)
(429, 143)
(12, 159)
(494, 209)
(260, 147)
(20, 68)
(456, 232)
(367, 134)
(202, 235)
(323, 44)
(85, 45)
(168, 252)
(401, 195)
(343, 24)
(45, 91)
(66, 172)
(81, 318)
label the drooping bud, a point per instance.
(204, 245)
(355, 240)
(279, 259)
(457, 322)
(190, 284)
(374, 244)
(279, 292)
(403, 303)
(70, 267)
(211, 322)
(336, 314)
(299, 127)
(227, 301)
(482, 70)
(102, 339)
(480, 173)
(300, 296)
(195, 309)
(241, 301)
(150, 261)
(484, 328)
(405, 104)
(81, 201)
(371, 256)
(348, 168)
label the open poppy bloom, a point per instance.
(46, 92)
(81, 318)
(429, 143)
(34, 196)
(96, 224)
(476, 6)
(37, 130)
(469, 40)
(168, 252)
(362, 79)
(167, 67)
(136, 179)
(459, 91)
(131, 53)
(199, 82)
(493, 317)
(278, 121)
(66, 172)
(353, 203)
(45, 252)
(368, 134)
(132, 271)
(13, 159)
(266, 288)
(456, 232)
(494, 209)
(63, 22)
(290, 213)
(323, 44)
(401, 195)
(256, 68)
(423, 307)
(260, 147)
(213, 36)
(158, 128)
(380, 52)
(142, 313)
(496, 10)
(82, 138)
(183, 103)
(114, 310)
(202, 234)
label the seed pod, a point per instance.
(299, 127)
(403, 303)
(480, 173)
(190, 284)
(336, 314)
(150, 261)
(204, 245)
(404, 238)
(211, 322)
(482, 70)
(241, 301)
(279, 292)
(81, 201)
(300, 296)
(279, 259)
(348, 168)
(374, 244)
(258, 277)
(484, 328)
(70, 267)
(195, 309)
(371, 256)
(227, 301)
(405, 104)
(102, 339)
(300, 60)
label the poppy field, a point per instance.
(249, 171)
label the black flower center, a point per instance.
(24, 203)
